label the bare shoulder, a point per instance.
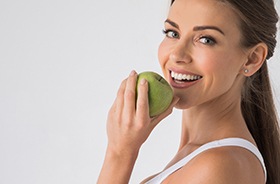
(229, 165)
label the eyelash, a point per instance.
(211, 40)
(168, 31)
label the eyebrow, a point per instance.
(196, 28)
(172, 23)
(201, 28)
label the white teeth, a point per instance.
(179, 76)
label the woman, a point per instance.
(230, 132)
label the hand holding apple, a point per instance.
(160, 94)
(129, 127)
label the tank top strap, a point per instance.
(214, 144)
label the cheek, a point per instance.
(162, 53)
(217, 63)
(208, 61)
(219, 69)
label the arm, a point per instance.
(117, 168)
(127, 129)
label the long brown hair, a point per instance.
(258, 23)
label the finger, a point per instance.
(142, 106)
(129, 95)
(118, 103)
(167, 112)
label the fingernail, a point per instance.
(132, 73)
(143, 81)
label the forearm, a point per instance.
(117, 168)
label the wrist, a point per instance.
(121, 155)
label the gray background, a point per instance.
(61, 63)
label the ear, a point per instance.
(256, 58)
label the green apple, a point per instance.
(160, 94)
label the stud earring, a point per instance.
(246, 70)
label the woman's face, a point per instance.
(201, 56)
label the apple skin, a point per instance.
(160, 93)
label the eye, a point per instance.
(171, 34)
(208, 40)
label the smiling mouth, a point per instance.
(181, 78)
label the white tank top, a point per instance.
(214, 144)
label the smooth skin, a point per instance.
(203, 38)
(128, 128)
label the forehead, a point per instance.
(214, 12)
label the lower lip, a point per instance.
(181, 85)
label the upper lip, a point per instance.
(184, 74)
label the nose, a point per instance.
(181, 53)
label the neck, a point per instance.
(215, 120)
